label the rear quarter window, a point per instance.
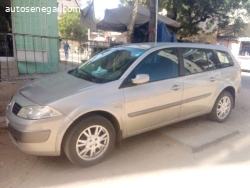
(225, 60)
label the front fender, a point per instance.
(116, 111)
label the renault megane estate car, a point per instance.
(121, 92)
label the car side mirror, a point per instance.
(140, 79)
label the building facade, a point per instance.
(29, 36)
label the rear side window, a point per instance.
(225, 59)
(198, 60)
(212, 62)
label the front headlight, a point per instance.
(38, 112)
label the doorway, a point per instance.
(6, 39)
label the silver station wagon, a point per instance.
(121, 92)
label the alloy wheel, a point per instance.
(223, 107)
(92, 142)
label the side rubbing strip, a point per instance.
(196, 98)
(154, 109)
(134, 114)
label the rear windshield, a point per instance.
(108, 65)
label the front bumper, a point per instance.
(36, 137)
(29, 136)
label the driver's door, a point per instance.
(154, 103)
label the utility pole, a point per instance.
(130, 27)
(153, 20)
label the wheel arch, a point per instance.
(231, 90)
(213, 113)
(107, 115)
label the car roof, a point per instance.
(150, 45)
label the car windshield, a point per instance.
(108, 65)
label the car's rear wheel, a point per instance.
(222, 107)
(89, 141)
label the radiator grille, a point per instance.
(16, 108)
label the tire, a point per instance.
(89, 141)
(222, 107)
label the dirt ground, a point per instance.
(152, 159)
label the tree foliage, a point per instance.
(129, 2)
(70, 26)
(192, 12)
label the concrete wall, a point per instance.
(36, 54)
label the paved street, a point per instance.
(153, 159)
(74, 60)
(73, 57)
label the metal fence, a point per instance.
(6, 54)
(80, 52)
(24, 56)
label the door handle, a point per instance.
(212, 79)
(176, 87)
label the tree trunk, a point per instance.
(132, 21)
(152, 21)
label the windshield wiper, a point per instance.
(87, 73)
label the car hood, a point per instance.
(52, 88)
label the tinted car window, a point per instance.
(195, 60)
(225, 59)
(212, 62)
(198, 60)
(159, 65)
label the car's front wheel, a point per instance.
(89, 141)
(222, 107)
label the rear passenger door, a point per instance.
(200, 80)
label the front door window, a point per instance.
(159, 65)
